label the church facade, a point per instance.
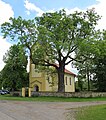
(42, 81)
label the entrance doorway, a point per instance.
(36, 88)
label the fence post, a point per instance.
(29, 92)
(23, 92)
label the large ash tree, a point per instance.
(57, 37)
(62, 37)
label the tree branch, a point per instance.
(74, 59)
(50, 64)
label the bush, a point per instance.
(16, 94)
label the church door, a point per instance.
(36, 88)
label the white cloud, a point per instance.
(51, 11)
(27, 12)
(100, 8)
(68, 11)
(5, 12)
(4, 46)
(32, 7)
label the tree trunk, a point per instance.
(61, 86)
(14, 85)
(87, 72)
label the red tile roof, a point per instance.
(69, 72)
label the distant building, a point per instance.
(42, 81)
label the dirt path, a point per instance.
(19, 110)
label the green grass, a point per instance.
(50, 99)
(91, 113)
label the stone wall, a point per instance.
(16, 93)
(68, 94)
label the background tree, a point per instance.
(58, 37)
(93, 69)
(1, 80)
(21, 31)
(14, 75)
(100, 64)
(85, 72)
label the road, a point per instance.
(21, 110)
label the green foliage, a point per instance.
(0, 80)
(100, 64)
(60, 34)
(14, 74)
(94, 68)
(21, 31)
(85, 73)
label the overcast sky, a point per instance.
(28, 9)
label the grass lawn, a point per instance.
(91, 113)
(50, 99)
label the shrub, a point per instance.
(16, 94)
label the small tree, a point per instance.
(14, 74)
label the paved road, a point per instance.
(19, 110)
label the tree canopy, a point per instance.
(14, 75)
(100, 64)
(63, 37)
(93, 69)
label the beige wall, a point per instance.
(49, 84)
(36, 78)
(69, 87)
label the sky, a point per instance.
(28, 9)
